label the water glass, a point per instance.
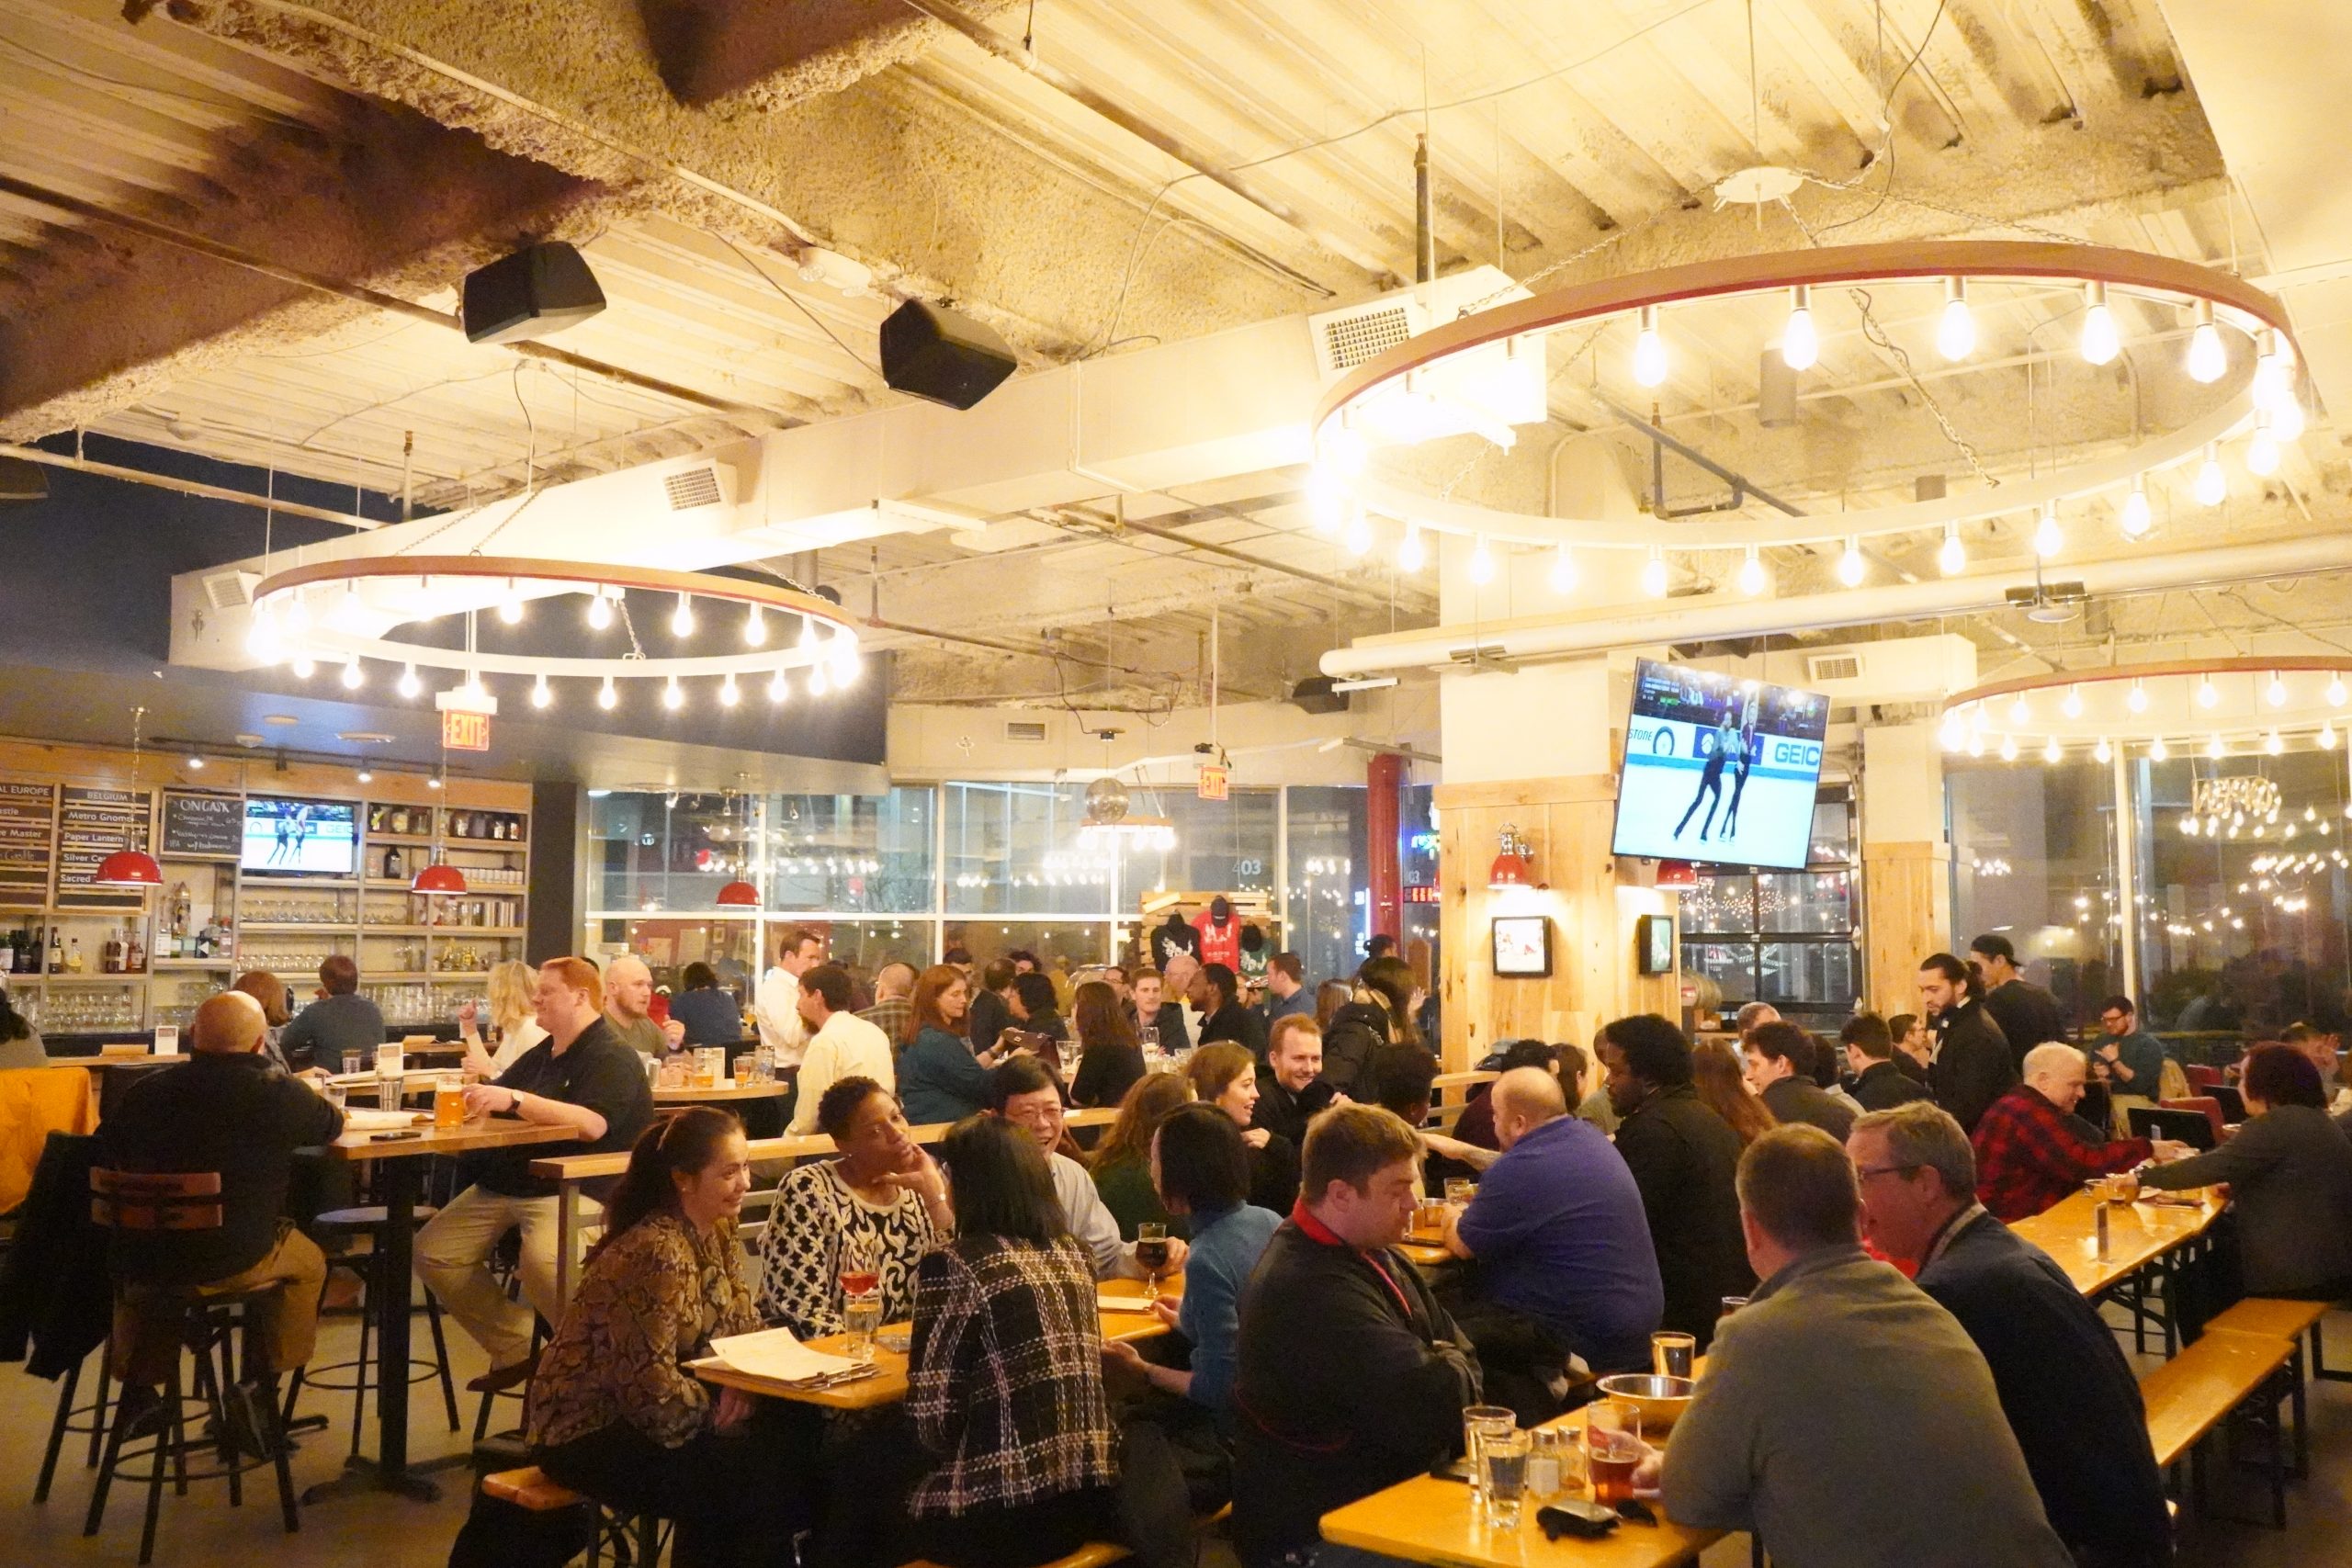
(1730, 1305)
(1479, 1421)
(337, 1095)
(1502, 1476)
(861, 1316)
(1672, 1355)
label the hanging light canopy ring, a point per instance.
(321, 637)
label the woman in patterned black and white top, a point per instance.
(885, 1190)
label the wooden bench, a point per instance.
(1093, 1554)
(2201, 1388)
(532, 1488)
(2284, 1318)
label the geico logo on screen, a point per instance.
(1803, 754)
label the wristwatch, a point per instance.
(515, 1103)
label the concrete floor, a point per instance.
(378, 1531)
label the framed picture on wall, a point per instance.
(1522, 946)
(1654, 945)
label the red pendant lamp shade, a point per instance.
(440, 877)
(739, 894)
(133, 869)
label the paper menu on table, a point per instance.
(776, 1353)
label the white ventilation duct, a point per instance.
(1715, 619)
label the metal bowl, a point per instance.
(1660, 1400)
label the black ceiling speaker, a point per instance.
(1315, 694)
(539, 289)
(942, 356)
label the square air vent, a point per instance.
(1829, 667)
(1351, 338)
(693, 487)
(1025, 731)
(230, 590)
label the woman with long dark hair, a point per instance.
(1122, 1162)
(1023, 1451)
(613, 1412)
(1715, 1072)
(1109, 1059)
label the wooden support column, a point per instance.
(1907, 904)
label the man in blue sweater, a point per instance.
(2068, 1392)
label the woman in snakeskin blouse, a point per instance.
(614, 1412)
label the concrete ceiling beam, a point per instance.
(705, 49)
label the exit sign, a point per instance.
(1215, 782)
(462, 731)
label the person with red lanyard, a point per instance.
(1220, 934)
(1351, 1377)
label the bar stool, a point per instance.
(73, 1420)
(241, 1427)
(357, 1376)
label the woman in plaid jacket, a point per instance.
(1005, 1376)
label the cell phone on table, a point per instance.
(1452, 1470)
(1585, 1521)
(393, 1137)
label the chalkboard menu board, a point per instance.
(27, 828)
(209, 825)
(91, 825)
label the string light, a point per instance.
(1975, 744)
(2009, 748)
(1799, 343)
(600, 609)
(606, 695)
(2136, 515)
(2275, 693)
(2213, 748)
(844, 661)
(2207, 357)
(304, 667)
(2101, 342)
(352, 676)
(1482, 563)
(1564, 571)
(1951, 558)
(817, 687)
(261, 637)
(1410, 555)
(2020, 711)
(2103, 752)
(1752, 580)
(1956, 328)
(2053, 753)
(1357, 540)
(2286, 418)
(542, 694)
(1649, 350)
(1951, 733)
(2336, 693)
(1653, 573)
(682, 619)
(409, 685)
(2272, 744)
(2073, 706)
(298, 615)
(2262, 449)
(2207, 693)
(778, 688)
(2326, 737)
(729, 694)
(2136, 699)
(2212, 485)
(2158, 751)
(755, 627)
(1850, 566)
(2048, 538)
(510, 609)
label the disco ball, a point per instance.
(1106, 801)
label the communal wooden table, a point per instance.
(402, 1158)
(1438, 1522)
(720, 1093)
(889, 1385)
(2166, 1236)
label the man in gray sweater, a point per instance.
(1837, 1364)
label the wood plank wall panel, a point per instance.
(1566, 823)
(1906, 904)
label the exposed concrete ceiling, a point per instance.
(703, 150)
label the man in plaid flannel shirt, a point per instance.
(2031, 1151)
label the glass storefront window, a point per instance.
(1784, 937)
(667, 943)
(1012, 849)
(650, 851)
(1058, 944)
(2034, 859)
(1328, 879)
(851, 853)
(1222, 846)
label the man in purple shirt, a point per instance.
(1562, 1247)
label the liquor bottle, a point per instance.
(110, 955)
(8, 954)
(392, 864)
(183, 908)
(56, 953)
(134, 960)
(400, 819)
(73, 957)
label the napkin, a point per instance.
(775, 1353)
(357, 1120)
(1113, 1300)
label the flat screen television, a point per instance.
(300, 837)
(1718, 769)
